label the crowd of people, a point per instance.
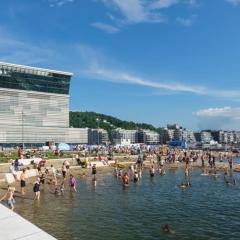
(62, 179)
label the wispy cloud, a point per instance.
(99, 67)
(219, 118)
(105, 27)
(18, 51)
(59, 3)
(187, 22)
(234, 2)
(90, 63)
(229, 112)
(141, 11)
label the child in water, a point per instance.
(72, 183)
(9, 197)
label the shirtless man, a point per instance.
(125, 179)
(9, 197)
(23, 181)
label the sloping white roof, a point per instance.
(35, 68)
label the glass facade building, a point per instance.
(34, 105)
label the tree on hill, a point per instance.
(89, 120)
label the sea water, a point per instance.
(210, 209)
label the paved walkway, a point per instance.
(14, 227)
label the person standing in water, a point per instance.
(64, 171)
(125, 179)
(23, 181)
(36, 189)
(9, 197)
(72, 183)
(152, 171)
(94, 170)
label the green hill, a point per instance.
(89, 120)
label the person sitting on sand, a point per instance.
(9, 197)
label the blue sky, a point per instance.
(155, 61)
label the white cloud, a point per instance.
(59, 3)
(105, 27)
(219, 118)
(91, 63)
(18, 51)
(226, 112)
(99, 67)
(187, 22)
(234, 2)
(139, 11)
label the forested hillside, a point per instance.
(89, 119)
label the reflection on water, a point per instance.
(207, 210)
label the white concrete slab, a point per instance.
(15, 227)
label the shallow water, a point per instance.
(208, 210)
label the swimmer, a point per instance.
(182, 186)
(165, 229)
(9, 197)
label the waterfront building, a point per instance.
(34, 105)
(148, 137)
(97, 136)
(165, 135)
(206, 136)
(77, 136)
(124, 137)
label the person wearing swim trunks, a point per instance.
(23, 181)
(9, 197)
(36, 189)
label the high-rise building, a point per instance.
(34, 105)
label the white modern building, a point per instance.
(148, 137)
(123, 136)
(34, 105)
